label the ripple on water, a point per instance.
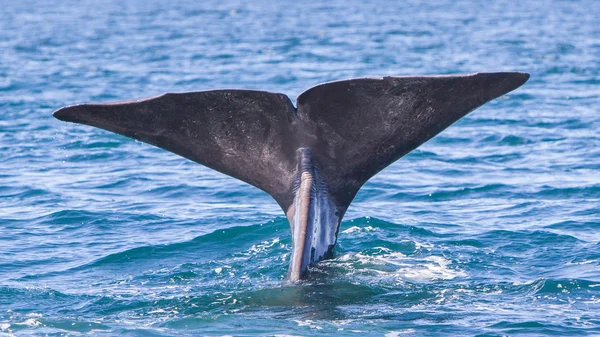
(489, 229)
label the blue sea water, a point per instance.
(491, 228)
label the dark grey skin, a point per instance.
(312, 159)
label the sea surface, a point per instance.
(492, 228)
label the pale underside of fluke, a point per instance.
(312, 159)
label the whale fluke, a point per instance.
(312, 159)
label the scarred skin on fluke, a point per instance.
(312, 159)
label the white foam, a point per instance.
(356, 229)
(158, 311)
(396, 265)
(582, 262)
(31, 322)
(263, 246)
(308, 323)
(419, 245)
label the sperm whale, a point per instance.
(312, 158)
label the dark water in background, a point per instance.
(491, 228)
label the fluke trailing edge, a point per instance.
(312, 159)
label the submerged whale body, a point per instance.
(313, 158)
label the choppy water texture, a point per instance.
(491, 228)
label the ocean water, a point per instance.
(492, 228)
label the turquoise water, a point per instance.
(491, 228)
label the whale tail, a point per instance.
(346, 132)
